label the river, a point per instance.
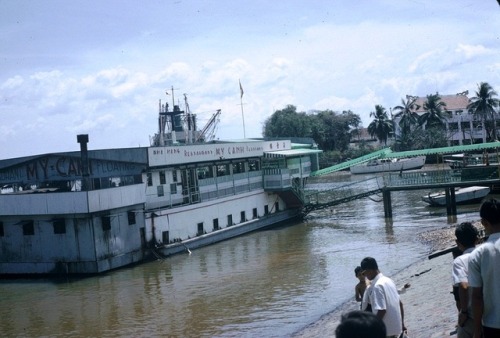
(269, 283)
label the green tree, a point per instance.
(483, 106)
(435, 114)
(381, 126)
(287, 123)
(406, 113)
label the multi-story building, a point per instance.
(461, 126)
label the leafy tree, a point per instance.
(433, 137)
(435, 114)
(381, 126)
(287, 123)
(332, 131)
(406, 112)
(483, 106)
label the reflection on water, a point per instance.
(269, 283)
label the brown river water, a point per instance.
(270, 283)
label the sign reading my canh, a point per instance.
(212, 152)
(59, 168)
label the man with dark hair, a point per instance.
(360, 324)
(384, 298)
(484, 274)
(467, 237)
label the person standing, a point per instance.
(360, 288)
(484, 274)
(467, 237)
(384, 298)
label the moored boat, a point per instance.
(466, 195)
(91, 211)
(388, 164)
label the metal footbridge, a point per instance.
(396, 181)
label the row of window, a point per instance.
(59, 225)
(215, 222)
(207, 171)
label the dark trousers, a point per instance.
(489, 332)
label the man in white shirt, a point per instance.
(384, 298)
(467, 237)
(484, 274)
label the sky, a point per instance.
(101, 67)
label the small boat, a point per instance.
(389, 164)
(467, 195)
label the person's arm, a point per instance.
(402, 315)
(357, 294)
(381, 313)
(477, 311)
(463, 295)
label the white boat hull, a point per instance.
(395, 165)
(468, 195)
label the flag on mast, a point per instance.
(241, 90)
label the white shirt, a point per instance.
(460, 274)
(484, 271)
(384, 296)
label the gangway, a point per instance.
(316, 200)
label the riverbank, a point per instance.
(429, 306)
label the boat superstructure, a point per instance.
(91, 211)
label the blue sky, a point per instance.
(100, 67)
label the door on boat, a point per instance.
(190, 189)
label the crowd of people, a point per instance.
(476, 286)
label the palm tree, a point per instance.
(483, 106)
(435, 114)
(381, 126)
(406, 113)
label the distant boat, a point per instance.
(468, 195)
(389, 164)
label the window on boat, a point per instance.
(1, 229)
(242, 217)
(222, 170)
(159, 190)
(59, 226)
(204, 172)
(216, 223)
(150, 179)
(174, 176)
(200, 229)
(173, 188)
(254, 213)
(266, 209)
(277, 206)
(28, 228)
(229, 220)
(165, 237)
(163, 179)
(238, 167)
(131, 217)
(253, 165)
(106, 223)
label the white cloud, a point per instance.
(472, 51)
